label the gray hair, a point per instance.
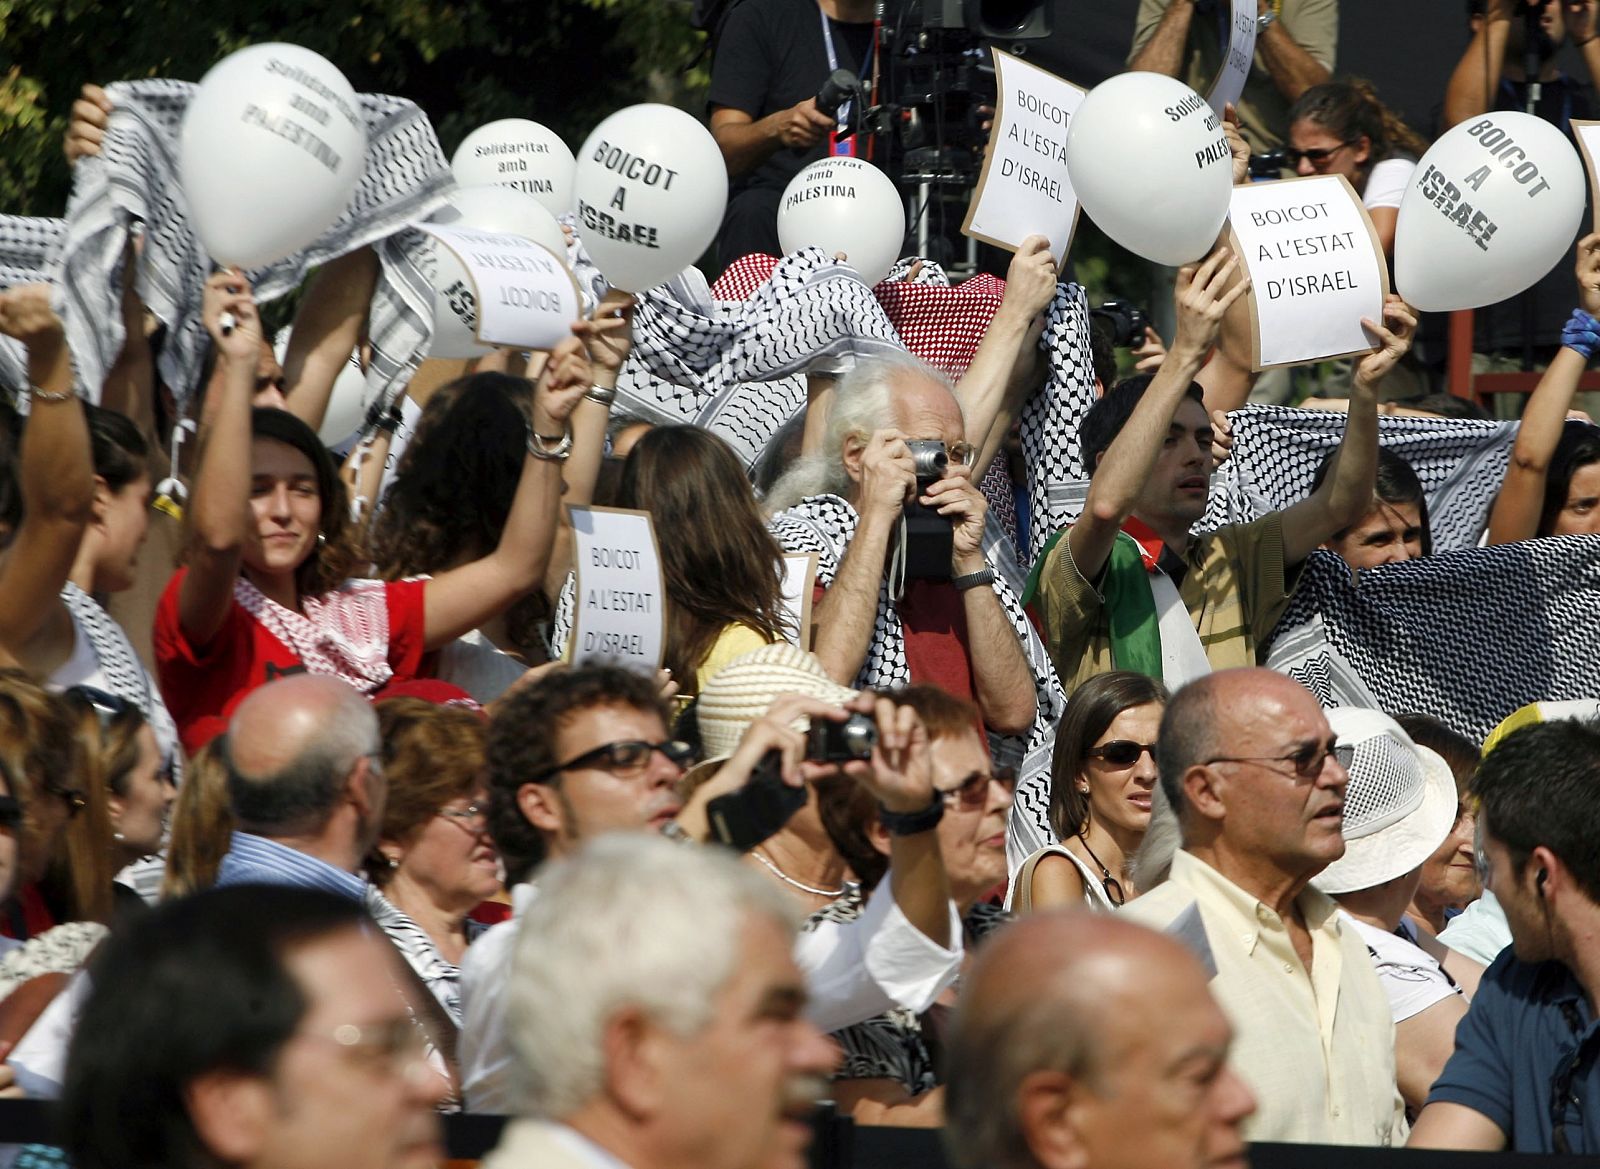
(1186, 737)
(862, 402)
(299, 796)
(631, 920)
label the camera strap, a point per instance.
(897, 562)
(843, 114)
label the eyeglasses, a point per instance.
(625, 760)
(1316, 156)
(401, 1044)
(473, 818)
(1122, 752)
(961, 454)
(973, 792)
(1306, 762)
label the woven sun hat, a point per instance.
(1399, 805)
(739, 693)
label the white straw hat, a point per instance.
(739, 693)
(1399, 806)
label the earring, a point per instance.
(321, 539)
(1083, 788)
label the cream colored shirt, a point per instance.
(1317, 1048)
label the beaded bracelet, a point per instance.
(539, 448)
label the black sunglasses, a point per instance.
(1314, 156)
(973, 792)
(1121, 752)
(625, 760)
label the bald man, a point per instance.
(1084, 1042)
(1247, 762)
(305, 784)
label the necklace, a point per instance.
(830, 894)
(1113, 887)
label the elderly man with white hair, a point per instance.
(658, 1013)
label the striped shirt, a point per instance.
(255, 860)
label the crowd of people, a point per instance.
(312, 829)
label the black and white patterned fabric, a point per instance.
(738, 368)
(1467, 636)
(825, 524)
(1276, 451)
(26, 248)
(61, 949)
(135, 178)
(1050, 418)
(125, 673)
(441, 977)
(893, 1046)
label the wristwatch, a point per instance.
(911, 823)
(1264, 21)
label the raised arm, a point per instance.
(1289, 63)
(1003, 369)
(1477, 75)
(327, 328)
(1118, 481)
(57, 481)
(1162, 49)
(464, 598)
(1346, 494)
(219, 500)
(1520, 504)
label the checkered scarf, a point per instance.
(135, 178)
(26, 246)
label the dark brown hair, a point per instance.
(432, 754)
(1350, 110)
(202, 824)
(1093, 707)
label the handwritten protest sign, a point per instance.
(1316, 268)
(1588, 135)
(525, 297)
(1024, 189)
(619, 611)
(799, 577)
(1229, 85)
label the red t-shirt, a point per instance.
(935, 624)
(202, 685)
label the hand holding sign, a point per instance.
(272, 147)
(1394, 342)
(1229, 85)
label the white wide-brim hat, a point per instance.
(1399, 805)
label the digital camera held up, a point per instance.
(929, 536)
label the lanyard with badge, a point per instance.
(844, 145)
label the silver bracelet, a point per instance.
(47, 396)
(601, 395)
(538, 446)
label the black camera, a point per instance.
(840, 85)
(743, 819)
(1126, 323)
(929, 536)
(841, 742)
(1270, 165)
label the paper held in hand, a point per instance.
(1316, 268)
(1024, 189)
(1235, 71)
(526, 297)
(619, 599)
(1588, 136)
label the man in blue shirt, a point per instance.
(1523, 1074)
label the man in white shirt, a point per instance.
(1247, 760)
(557, 780)
(658, 1011)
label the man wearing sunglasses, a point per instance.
(1249, 765)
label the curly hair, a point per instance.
(522, 742)
(1350, 110)
(336, 556)
(432, 754)
(722, 566)
(472, 431)
(40, 757)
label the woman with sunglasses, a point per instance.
(1102, 778)
(267, 587)
(85, 488)
(434, 862)
(1341, 128)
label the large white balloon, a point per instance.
(487, 209)
(347, 404)
(1492, 207)
(519, 154)
(650, 191)
(273, 145)
(1150, 164)
(844, 205)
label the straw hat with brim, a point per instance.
(1399, 806)
(739, 693)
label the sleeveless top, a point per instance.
(1094, 894)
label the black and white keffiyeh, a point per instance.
(125, 674)
(1050, 418)
(1467, 636)
(1276, 451)
(135, 178)
(26, 247)
(825, 524)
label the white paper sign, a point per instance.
(1588, 135)
(1316, 268)
(526, 297)
(619, 611)
(1229, 84)
(799, 577)
(1024, 189)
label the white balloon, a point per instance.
(650, 191)
(488, 209)
(519, 154)
(1150, 164)
(844, 205)
(272, 147)
(1491, 208)
(347, 403)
